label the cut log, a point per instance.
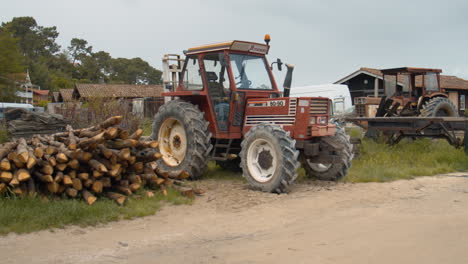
(138, 167)
(42, 177)
(120, 144)
(87, 183)
(22, 150)
(72, 139)
(31, 162)
(51, 160)
(137, 134)
(111, 133)
(5, 165)
(7, 148)
(67, 181)
(53, 187)
(50, 150)
(39, 152)
(123, 134)
(61, 158)
(135, 187)
(112, 121)
(83, 176)
(107, 153)
(22, 175)
(85, 143)
(97, 166)
(124, 190)
(73, 164)
(3, 187)
(89, 197)
(134, 178)
(6, 176)
(106, 182)
(97, 174)
(17, 190)
(117, 197)
(47, 169)
(61, 166)
(71, 192)
(89, 133)
(59, 177)
(85, 156)
(77, 185)
(97, 186)
(147, 144)
(115, 170)
(72, 174)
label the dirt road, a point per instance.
(419, 221)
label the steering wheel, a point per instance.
(247, 82)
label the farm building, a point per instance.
(369, 82)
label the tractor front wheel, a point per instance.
(332, 171)
(184, 139)
(269, 158)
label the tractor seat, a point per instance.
(211, 76)
(215, 89)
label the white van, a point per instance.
(4, 106)
(338, 93)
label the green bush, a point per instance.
(3, 133)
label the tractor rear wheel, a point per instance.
(332, 171)
(269, 158)
(184, 139)
(439, 106)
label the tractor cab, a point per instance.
(219, 78)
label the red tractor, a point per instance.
(223, 104)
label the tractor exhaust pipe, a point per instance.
(288, 80)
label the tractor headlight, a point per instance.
(312, 120)
(322, 120)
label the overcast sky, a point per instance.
(324, 39)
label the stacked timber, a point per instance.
(24, 123)
(102, 160)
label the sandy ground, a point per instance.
(418, 221)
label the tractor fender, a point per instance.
(423, 99)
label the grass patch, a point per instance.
(24, 215)
(379, 162)
(147, 126)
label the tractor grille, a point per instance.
(292, 106)
(272, 119)
(319, 106)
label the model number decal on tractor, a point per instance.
(275, 103)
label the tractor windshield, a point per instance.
(250, 72)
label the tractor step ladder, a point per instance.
(220, 146)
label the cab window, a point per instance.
(192, 78)
(250, 72)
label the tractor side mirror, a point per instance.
(279, 63)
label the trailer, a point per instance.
(397, 128)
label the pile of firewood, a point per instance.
(102, 160)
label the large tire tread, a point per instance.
(196, 129)
(289, 166)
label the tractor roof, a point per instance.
(412, 70)
(231, 45)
